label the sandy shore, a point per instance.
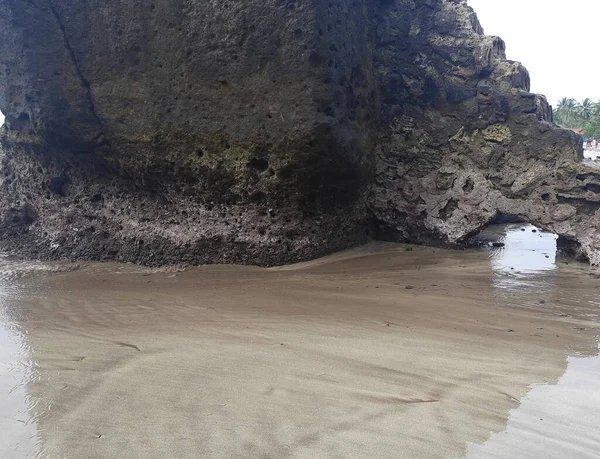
(378, 352)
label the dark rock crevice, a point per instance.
(101, 138)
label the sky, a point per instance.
(557, 41)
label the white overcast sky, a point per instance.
(557, 41)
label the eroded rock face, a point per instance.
(269, 131)
(486, 148)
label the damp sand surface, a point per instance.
(377, 352)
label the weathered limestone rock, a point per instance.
(447, 169)
(270, 131)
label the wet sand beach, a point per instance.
(377, 352)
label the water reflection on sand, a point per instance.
(553, 421)
(18, 431)
(525, 268)
(386, 351)
(527, 249)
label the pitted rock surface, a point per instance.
(269, 131)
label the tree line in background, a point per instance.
(573, 114)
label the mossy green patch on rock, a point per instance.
(498, 133)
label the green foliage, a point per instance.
(592, 129)
(572, 114)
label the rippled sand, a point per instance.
(378, 352)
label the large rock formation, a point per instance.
(270, 131)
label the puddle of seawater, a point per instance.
(552, 421)
(527, 249)
(18, 431)
(525, 267)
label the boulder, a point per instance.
(270, 131)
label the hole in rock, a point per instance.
(59, 185)
(259, 164)
(571, 248)
(447, 211)
(96, 198)
(505, 218)
(469, 185)
(257, 197)
(593, 187)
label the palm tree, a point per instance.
(586, 109)
(559, 111)
(562, 104)
(566, 111)
(597, 108)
